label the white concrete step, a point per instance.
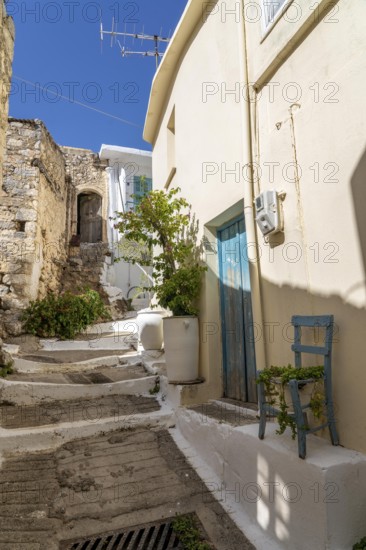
(31, 393)
(38, 382)
(118, 341)
(48, 437)
(43, 427)
(24, 365)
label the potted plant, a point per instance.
(275, 381)
(162, 221)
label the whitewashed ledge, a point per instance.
(279, 500)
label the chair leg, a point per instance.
(332, 424)
(301, 443)
(262, 411)
(299, 418)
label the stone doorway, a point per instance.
(89, 217)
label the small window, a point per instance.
(141, 186)
(272, 10)
(20, 226)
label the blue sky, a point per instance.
(58, 48)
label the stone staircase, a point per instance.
(70, 389)
(85, 449)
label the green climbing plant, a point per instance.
(275, 380)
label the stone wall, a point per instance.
(6, 56)
(86, 173)
(39, 249)
(34, 202)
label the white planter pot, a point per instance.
(181, 344)
(150, 324)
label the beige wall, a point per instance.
(316, 124)
(7, 33)
(199, 145)
(319, 123)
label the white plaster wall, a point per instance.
(319, 121)
(124, 164)
(207, 139)
(318, 266)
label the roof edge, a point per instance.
(163, 77)
(105, 148)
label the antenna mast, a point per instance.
(140, 36)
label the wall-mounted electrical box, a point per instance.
(269, 212)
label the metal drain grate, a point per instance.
(151, 536)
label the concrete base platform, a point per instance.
(278, 500)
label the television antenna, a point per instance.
(157, 39)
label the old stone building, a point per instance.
(55, 204)
(54, 207)
(34, 236)
(7, 33)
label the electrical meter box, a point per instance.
(269, 214)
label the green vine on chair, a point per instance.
(275, 380)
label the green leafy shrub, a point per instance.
(65, 315)
(361, 545)
(161, 223)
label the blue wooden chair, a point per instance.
(320, 321)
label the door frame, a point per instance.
(249, 347)
(85, 193)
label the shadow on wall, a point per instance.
(280, 303)
(358, 187)
(348, 369)
(287, 498)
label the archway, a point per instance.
(89, 217)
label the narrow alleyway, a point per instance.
(96, 463)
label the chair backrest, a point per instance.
(313, 321)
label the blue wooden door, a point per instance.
(236, 314)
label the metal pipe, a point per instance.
(254, 268)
